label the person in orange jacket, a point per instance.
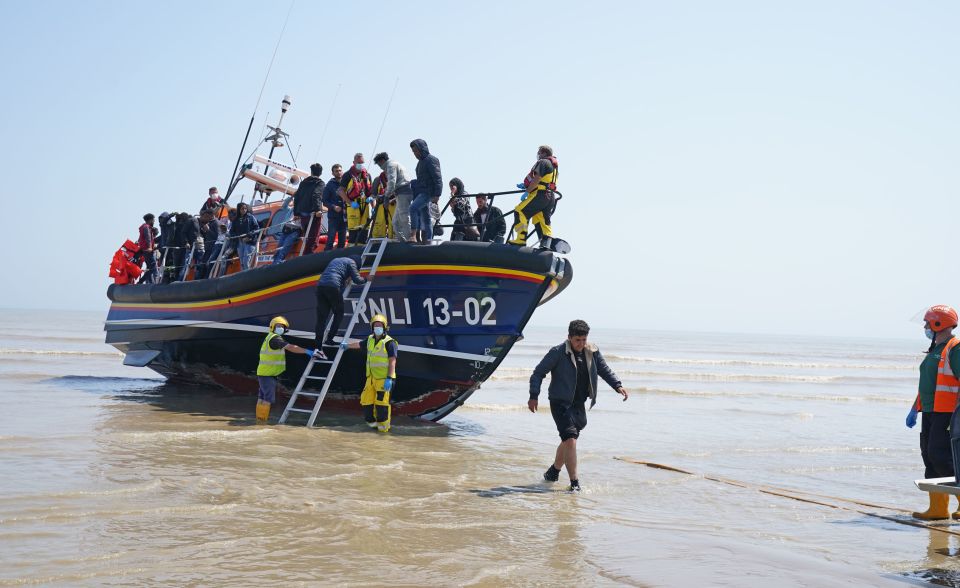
(937, 399)
(122, 269)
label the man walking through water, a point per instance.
(573, 367)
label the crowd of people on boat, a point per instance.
(352, 206)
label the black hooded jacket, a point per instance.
(463, 216)
(429, 181)
(309, 196)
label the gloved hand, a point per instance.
(521, 187)
(309, 351)
(912, 417)
(524, 196)
(388, 384)
(354, 204)
(344, 345)
(369, 199)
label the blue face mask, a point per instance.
(359, 167)
(378, 331)
(929, 333)
(279, 330)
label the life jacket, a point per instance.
(122, 268)
(381, 184)
(272, 361)
(948, 385)
(378, 362)
(358, 186)
(547, 182)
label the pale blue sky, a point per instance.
(726, 166)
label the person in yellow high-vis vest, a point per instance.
(381, 374)
(273, 362)
(538, 200)
(937, 399)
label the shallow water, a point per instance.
(110, 477)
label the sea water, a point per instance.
(109, 476)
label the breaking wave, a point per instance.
(60, 352)
(758, 363)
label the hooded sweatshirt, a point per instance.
(429, 180)
(463, 216)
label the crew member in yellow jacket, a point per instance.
(273, 361)
(381, 374)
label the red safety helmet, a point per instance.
(940, 317)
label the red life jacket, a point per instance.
(359, 184)
(544, 185)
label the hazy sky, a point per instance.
(726, 166)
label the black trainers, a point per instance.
(552, 474)
(574, 486)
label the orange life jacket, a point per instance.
(948, 385)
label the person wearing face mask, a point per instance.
(381, 374)
(573, 367)
(273, 362)
(537, 202)
(355, 187)
(937, 399)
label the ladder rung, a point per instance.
(308, 393)
(323, 361)
(316, 377)
(299, 410)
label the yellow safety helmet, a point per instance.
(379, 318)
(279, 320)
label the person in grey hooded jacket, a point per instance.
(574, 366)
(426, 188)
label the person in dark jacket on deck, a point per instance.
(573, 367)
(330, 287)
(148, 248)
(307, 204)
(463, 229)
(209, 231)
(489, 221)
(427, 188)
(336, 210)
(188, 239)
(243, 233)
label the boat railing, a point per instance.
(491, 197)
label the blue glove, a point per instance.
(912, 417)
(521, 186)
(369, 199)
(309, 351)
(344, 345)
(524, 196)
(388, 384)
(354, 204)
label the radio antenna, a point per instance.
(259, 97)
(389, 103)
(326, 125)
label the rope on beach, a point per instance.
(801, 496)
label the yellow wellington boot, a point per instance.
(939, 508)
(956, 513)
(263, 411)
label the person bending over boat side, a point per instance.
(573, 367)
(307, 204)
(398, 190)
(463, 229)
(273, 362)
(189, 241)
(330, 287)
(244, 231)
(426, 188)
(489, 220)
(336, 210)
(355, 187)
(381, 374)
(937, 399)
(537, 204)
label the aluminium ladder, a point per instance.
(369, 260)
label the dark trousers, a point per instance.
(336, 228)
(328, 299)
(935, 445)
(310, 241)
(150, 276)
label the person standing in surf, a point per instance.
(937, 399)
(573, 367)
